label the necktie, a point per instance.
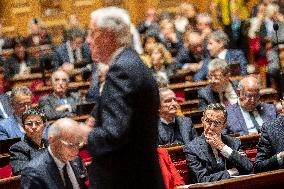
(225, 100)
(75, 56)
(255, 124)
(68, 183)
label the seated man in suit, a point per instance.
(71, 52)
(213, 156)
(61, 103)
(59, 166)
(21, 62)
(217, 43)
(173, 128)
(220, 88)
(248, 114)
(270, 148)
(33, 144)
(11, 127)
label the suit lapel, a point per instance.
(240, 118)
(80, 174)
(54, 171)
(207, 152)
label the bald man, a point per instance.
(59, 166)
(248, 114)
(61, 103)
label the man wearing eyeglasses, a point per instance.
(220, 88)
(248, 114)
(213, 156)
(59, 166)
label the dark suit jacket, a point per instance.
(51, 102)
(124, 143)
(5, 100)
(61, 56)
(43, 173)
(207, 96)
(232, 56)
(236, 122)
(270, 144)
(12, 65)
(23, 152)
(203, 165)
(183, 133)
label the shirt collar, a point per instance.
(59, 163)
(222, 54)
(165, 122)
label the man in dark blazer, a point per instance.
(213, 156)
(217, 43)
(173, 128)
(270, 148)
(248, 115)
(124, 139)
(72, 51)
(59, 166)
(61, 103)
(220, 89)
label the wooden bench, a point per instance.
(11, 183)
(270, 179)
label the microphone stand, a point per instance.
(281, 88)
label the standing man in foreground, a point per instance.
(124, 139)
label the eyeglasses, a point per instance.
(32, 123)
(251, 95)
(214, 122)
(70, 145)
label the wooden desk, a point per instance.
(11, 183)
(266, 180)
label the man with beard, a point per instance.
(173, 128)
(61, 103)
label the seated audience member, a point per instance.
(186, 17)
(150, 23)
(59, 166)
(173, 128)
(74, 50)
(61, 103)
(38, 36)
(5, 42)
(217, 47)
(20, 63)
(213, 156)
(33, 144)
(171, 177)
(248, 114)
(97, 83)
(72, 23)
(204, 25)
(169, 37)
(270, 148)
(189, 56)
(5, 107)
(11, 127)
(220, 88)
(159, 62)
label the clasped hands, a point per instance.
(214, 140)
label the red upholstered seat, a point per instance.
(6, 172)
(182, 169)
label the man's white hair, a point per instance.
(116, 20)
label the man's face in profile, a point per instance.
(168, 103)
